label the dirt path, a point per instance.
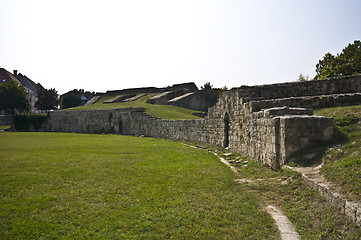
(284, 225)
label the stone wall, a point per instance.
(270, 136)
(6, 119)
(314, 102)
(199, 100)
(130, 121)
(264, 123)
(338, 85)
(350, 208)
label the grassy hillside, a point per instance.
(343, 164)
(84, 186)
(161, 111)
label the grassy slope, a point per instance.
(308, 211)
(161, 111)
(343, 166)
(60, 185)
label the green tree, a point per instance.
(207, 86)
(348, 62)
(303, 78)
(13, 96)
(350, 59)
(70, 100)
(47, 99)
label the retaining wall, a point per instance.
(264, 136)
(250, 120)
(328, 86)
(6, 119)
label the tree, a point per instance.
(302, 78)
(350, 59)
(207, 86)
(348, 62)
(13, 96)
(47, 99)
(70, 100)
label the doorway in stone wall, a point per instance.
(226, 131)
(120, 126)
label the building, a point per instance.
(30, 86)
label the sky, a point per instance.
(117, 44)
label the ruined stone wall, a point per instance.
(269, 136)
(299, 131)
(200, 100)
(6, 119)
(314, 102)
(130, 121)
(250, 120)
(337, 85)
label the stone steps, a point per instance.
(93, 100)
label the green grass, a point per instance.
(308, 211)
(83, 186)
(3, 127)
(343, 166)
(161, 111)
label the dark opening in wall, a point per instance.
(120, 126)
(226, 131)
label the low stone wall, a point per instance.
(6, 120)
(351, 209)
(298, 132)
(324, 101)
(337, 85)
(264, 136)
(135, 91)
(200, 100)
(248, 120)
(130, 121)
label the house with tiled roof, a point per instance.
(31, 87)
(6, 76)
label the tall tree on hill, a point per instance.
(70, 100)
(348, 62)
(47, 99)
(13, 96)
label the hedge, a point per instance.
(22, 122)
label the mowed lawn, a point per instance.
(83, 186)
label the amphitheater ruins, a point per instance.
(268, 123)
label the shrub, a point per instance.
(70, 100)
(22, 122)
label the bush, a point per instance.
(70, 100)
(22, 122)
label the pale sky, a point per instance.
(101, 45)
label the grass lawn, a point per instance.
(83, 186)
(161, 111)
(3, 127)
(312, 217)
(343, 166)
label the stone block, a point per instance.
(350, 210)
